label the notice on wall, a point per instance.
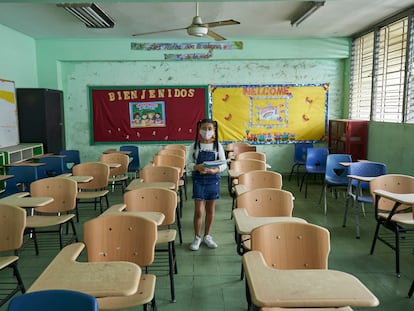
(146, 114)
(9, 129)
(270, 114)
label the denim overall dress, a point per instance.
(206, 186)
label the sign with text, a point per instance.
(270, 113)
(146, 114)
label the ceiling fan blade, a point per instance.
(215, 36)
(222, 23)
(159, 31)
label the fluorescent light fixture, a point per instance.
(89, 13)
(307, 10)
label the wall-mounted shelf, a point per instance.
(20, 152)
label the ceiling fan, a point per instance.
(198, 28)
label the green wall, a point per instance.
(72, 65)
(393, 144)
(17, 58)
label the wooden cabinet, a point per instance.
(41, 119)
(350, 137)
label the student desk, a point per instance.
(127, 152)
(244, 224)
(77, 178)
(119, 208)
(303, 288)
(113, 165)
(5, 177)
(138, 184)
(99, 279)
(25, 163)
(44, 155)
(22, 200)
(240, 189)
(400, 198)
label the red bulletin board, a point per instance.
(146, 114)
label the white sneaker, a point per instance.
(196, 243)
(208, 240)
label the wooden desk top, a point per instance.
(39, 156)
(234, 174)
(240, 189)
(138, 184)
(112, 165)
(361, 178)
(25, 163)
(27, 202)
(5, 177)
(403, 198)
(117, 151)
(99, 279)
(349, 163)
(77, 178)
(120, 208)
(303, 288)
(17, 195)
(245, 223)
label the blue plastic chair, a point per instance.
(134, 164)
(53, 300)
(315, 165)
(23, 177)
(72, 157)
(299, 158)
(357, 188)
(54, 165)
(336, 174)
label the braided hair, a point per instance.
(197, 141)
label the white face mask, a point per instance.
(206, 134)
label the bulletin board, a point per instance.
(9, 127)
(270, 114)
(146, 114)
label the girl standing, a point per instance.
(206, 181)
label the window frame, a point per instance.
(391, 84)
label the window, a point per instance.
(361, 77)
(389, 72)
(409, 112)
(382, 73)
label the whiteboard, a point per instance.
(9, 128)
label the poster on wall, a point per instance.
(146, 113)
(9, 128)
(270, 114)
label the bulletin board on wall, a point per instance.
(270, 114)
(150, 114)
(9, 127)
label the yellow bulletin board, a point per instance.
(270, 114)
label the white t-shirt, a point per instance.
(192, 155)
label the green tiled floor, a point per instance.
(210, 279)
